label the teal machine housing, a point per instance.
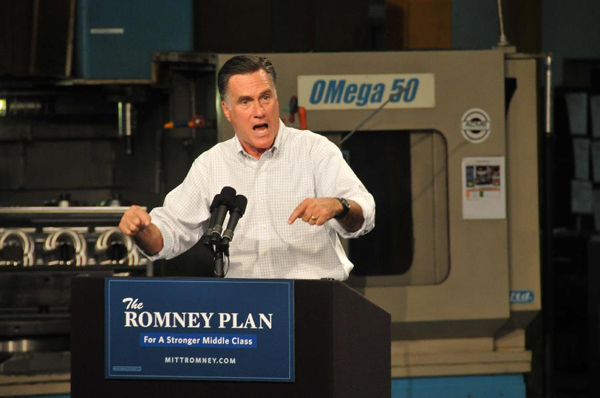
(115, 39)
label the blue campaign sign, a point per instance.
(205, 329)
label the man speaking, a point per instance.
(301, 193)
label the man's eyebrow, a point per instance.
(249, 98)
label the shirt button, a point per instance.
(261, 200)
(263, 226)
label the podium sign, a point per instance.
(205, 329)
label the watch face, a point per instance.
(345, 204)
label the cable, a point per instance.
(503, 41)
(346, 138)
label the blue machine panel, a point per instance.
(115, 38)
(486, 386)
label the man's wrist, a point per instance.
(150, 240)
(345, 208)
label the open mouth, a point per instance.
(260, 127)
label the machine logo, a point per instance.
(339, 92)
(476, 126)
(521, 296)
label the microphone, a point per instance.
(213, 219)
(237, 211)
(227, 197)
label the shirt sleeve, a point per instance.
(184, 215)
(334, 178)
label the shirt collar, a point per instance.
(276, 144)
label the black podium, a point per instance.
(342, 344)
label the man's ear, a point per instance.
(226, 110)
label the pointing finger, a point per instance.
(298, 211)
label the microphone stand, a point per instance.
(218, 250)
(219, 269)
(222, 248)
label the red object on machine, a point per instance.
(196, 122)
(302, 118)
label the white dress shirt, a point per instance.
(301, 164)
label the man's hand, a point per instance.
(137, 223)
(134, 220)
(316, 211)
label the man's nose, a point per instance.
(259, 110)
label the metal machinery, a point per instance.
(455, 254)
(41, 249)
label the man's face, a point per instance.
(253, 110)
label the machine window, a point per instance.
(409, 245)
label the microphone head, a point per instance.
(215, 202)
(240, 204)
(227, 196)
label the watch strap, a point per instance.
(346, 207)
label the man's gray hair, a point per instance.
(243, 65)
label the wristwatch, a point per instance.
(346, 207)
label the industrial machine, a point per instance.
(452, 160)
(41, 250)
